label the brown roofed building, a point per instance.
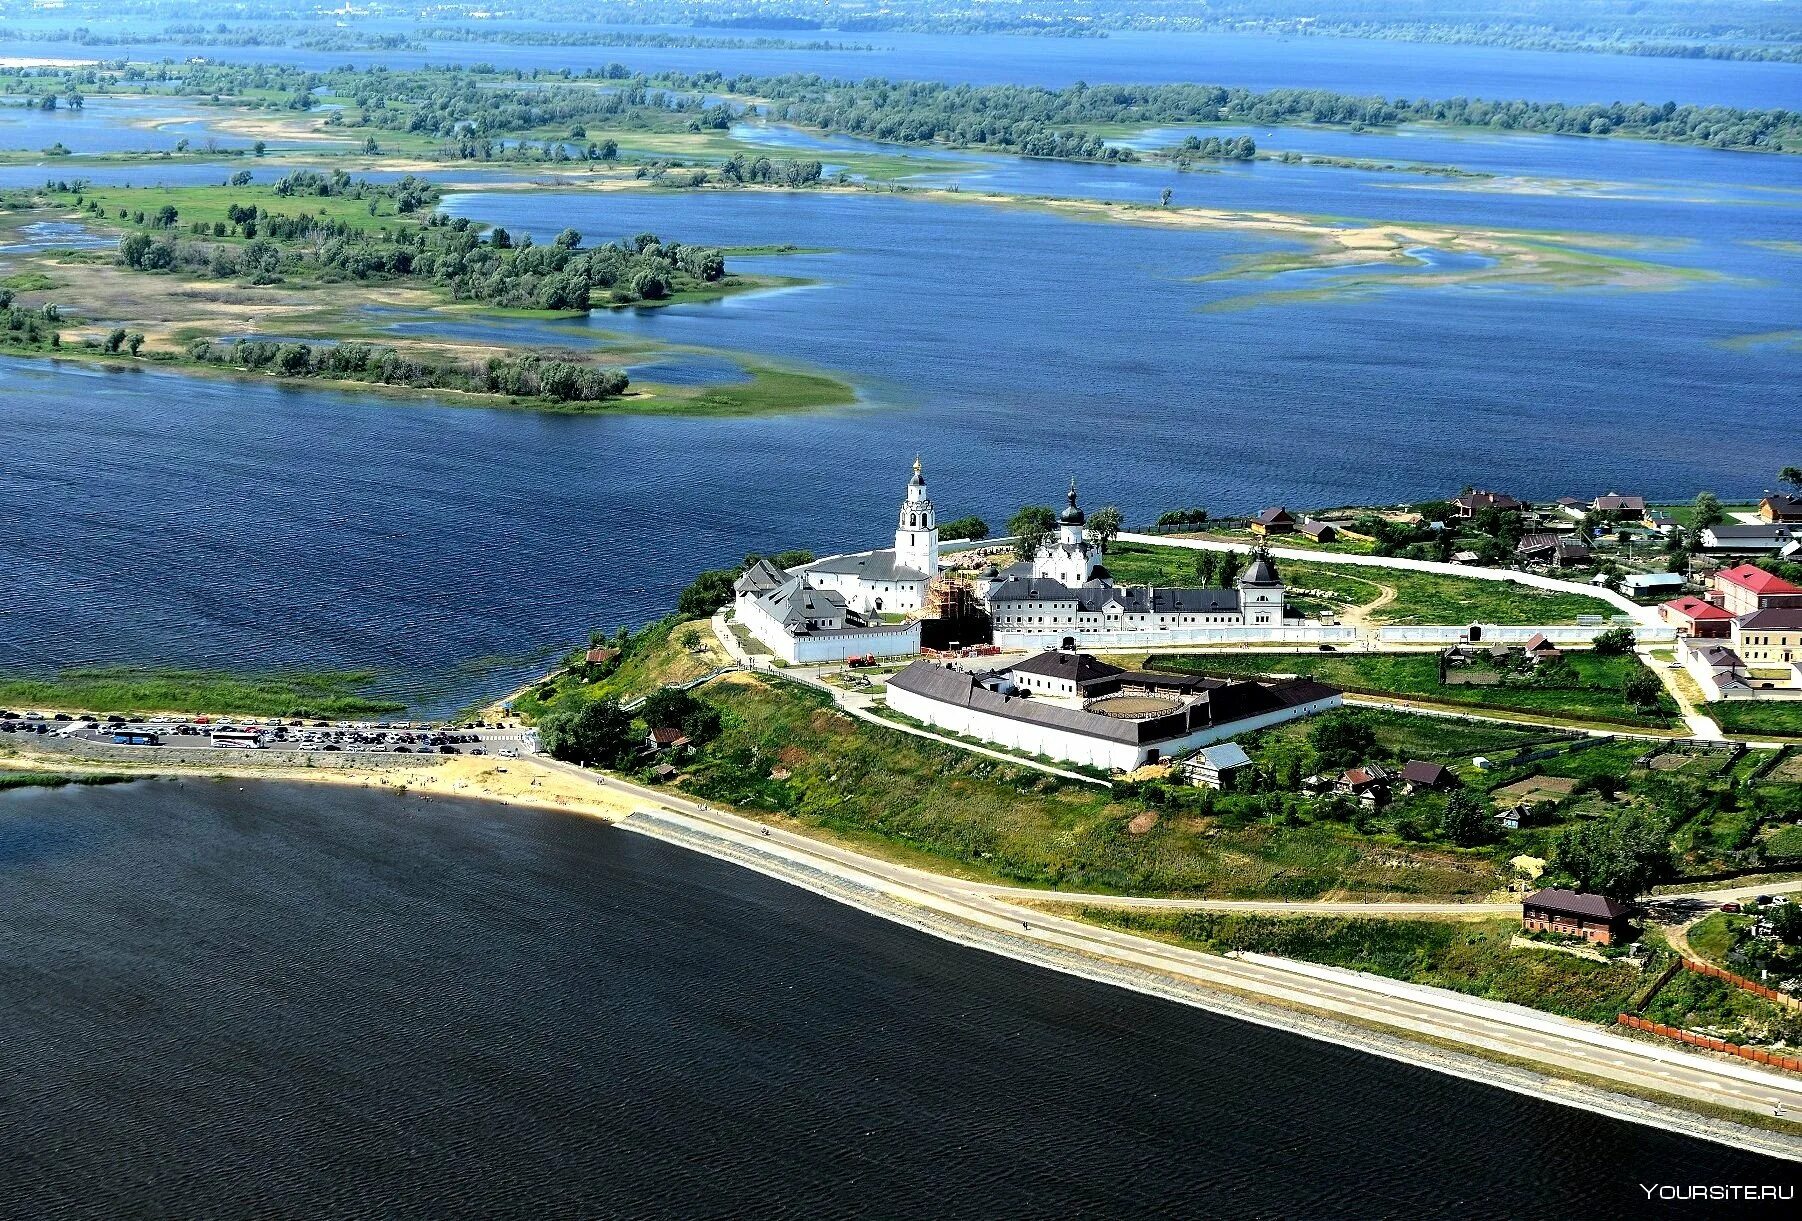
(1476, 500)
(1421, 777)
(1571, 913)
(1777, 507)
(1274, 521)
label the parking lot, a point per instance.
(289, 734)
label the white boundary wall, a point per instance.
(1491, 634)
(1072, 747)
(1051, 638)
(896, 641)
(1645, 615)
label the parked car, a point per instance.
(1729, 907)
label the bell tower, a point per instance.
(917, 530)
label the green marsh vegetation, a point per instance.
(330, 693)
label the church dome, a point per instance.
(1261, 572)
(919, 479)
(1071, 516)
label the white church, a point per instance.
(1066, 594)
(834, 609)
(845, 606)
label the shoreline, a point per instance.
(544, 785)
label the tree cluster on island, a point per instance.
(263, 246)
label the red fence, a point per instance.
(1754, 1054)
(1738, 981)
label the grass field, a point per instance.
(943, 806)
(131, 689)
(1420, 597)
(1595, 695)
(1759, 718)
(1472, 957)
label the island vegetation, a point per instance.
(331, 693)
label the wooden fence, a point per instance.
(1754, 1054)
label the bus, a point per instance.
(137, 737)
(242, 738)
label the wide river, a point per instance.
(225, 999)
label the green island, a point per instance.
(328, 693)
(306, 256)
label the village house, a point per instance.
(1216, 767)
(1765, 538)
(1418, 776)
(1617, 504)
(1554, 550)
(1569, 913)
(1697, 618)
(1778, 507)
(1652, 584)
(1319, 531)
(1273, 521)
(1475, 501)
(664, 738)
(1367, 785)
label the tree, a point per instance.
(1792, 475)
(971, 528)
(1164, 197)
(598, 733)
(1622, 856)
(1031, 526)
(1464, 821)
(1707, 511)
(670, 708)
(1341, 740)
(1230, 564)
(708, 592)
(1786, 922)
(500, 239)
(1642, 688)
(1615, 642)
(1104, 525)
(134, 341)
(115, 339)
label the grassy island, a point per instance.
(200, 274)
(324, 693)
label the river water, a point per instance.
(1346, 65)
(241, 524)
(226, 999)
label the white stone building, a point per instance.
(891, 581)
(1066, 593)
(1068, 706)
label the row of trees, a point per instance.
(527, 376)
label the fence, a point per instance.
(1738, 981)
(1754, 1054)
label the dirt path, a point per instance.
(1359, 616)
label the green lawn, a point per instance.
(1420, 597)
(1472, 957)
(1714, 937)
(1595, 695)
(940, 806)
(135, 689)
(1759, 718)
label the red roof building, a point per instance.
(1697, 619)
(1745, 588)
